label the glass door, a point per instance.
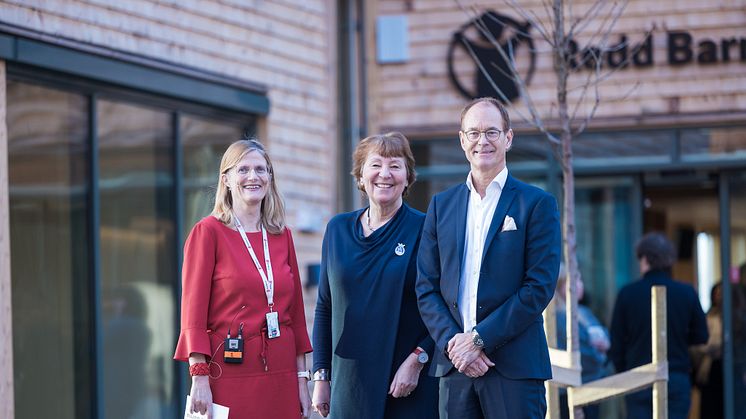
(607, 218)
(737, 275)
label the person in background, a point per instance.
(371, 347)
(631, 344)
(708, 360)
(243, 327)
(593, 338)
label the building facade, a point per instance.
(114, 115)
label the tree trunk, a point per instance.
(569, 244)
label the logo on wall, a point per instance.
(473, 44)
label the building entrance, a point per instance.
(687, 211)
(705, 217)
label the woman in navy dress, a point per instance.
(371, 347)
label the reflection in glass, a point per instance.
(441, 163)
(725, 142)
(47, 151)
(603, 214)
(623, 145)
(707, 273)
(137, 260)
(203, 142)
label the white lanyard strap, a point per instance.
(268, 279)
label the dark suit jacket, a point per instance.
(517, 278)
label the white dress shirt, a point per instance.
(478, 219)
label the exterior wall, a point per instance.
(6, 318)
(418, 94)
(286, 45)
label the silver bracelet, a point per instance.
(321, 374)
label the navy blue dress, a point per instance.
(367, 321)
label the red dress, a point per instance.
(219, 278)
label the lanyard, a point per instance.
(268, 279)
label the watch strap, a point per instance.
(304, 374)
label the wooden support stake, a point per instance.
(552, 391)
(660, 349)
(618, 384)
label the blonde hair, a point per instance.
(273, 209)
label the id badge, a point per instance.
(273, 325)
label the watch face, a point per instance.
(422, 358)
(478, 340)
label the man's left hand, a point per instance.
(462, 351)
(479, 367)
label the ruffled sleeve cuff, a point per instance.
(192, 341)
(302, 343)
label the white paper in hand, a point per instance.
(218, 411)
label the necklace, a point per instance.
(367, 220)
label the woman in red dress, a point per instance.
(241, 288)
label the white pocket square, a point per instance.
(509, 224)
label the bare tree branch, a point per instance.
(590, 15)
(531, 17)
(579, 130)
(535, 118)
(522, 88)
(609, 21)
(602, 76)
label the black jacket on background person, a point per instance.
(631, 343)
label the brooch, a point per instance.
(399, 249)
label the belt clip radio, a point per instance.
(233, 348)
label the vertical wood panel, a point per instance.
(6, 325)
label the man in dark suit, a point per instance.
(631, 344)
(487, 267)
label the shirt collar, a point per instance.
(500, 179)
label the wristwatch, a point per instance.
(422, 356)
(476, 339)
(304, 374)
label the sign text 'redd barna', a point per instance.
(680, 46)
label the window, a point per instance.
(97, 224)
(48, 180)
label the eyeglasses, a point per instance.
(490, 134)
(259, 170)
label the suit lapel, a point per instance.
(462, 203)
(506, 198)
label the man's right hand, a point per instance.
(462, 351)
(479, 366)
(201, 395)
(321, 397)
